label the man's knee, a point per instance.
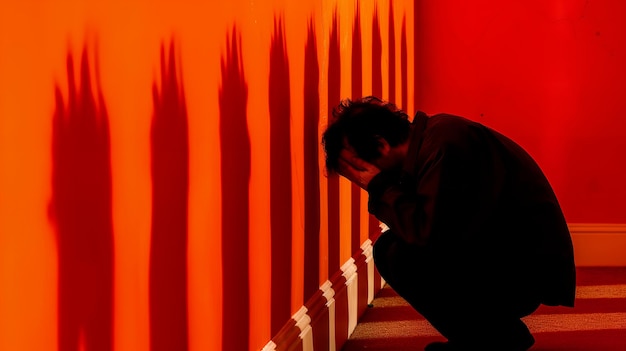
(381, 252)
(397, 262)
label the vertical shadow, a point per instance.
(377, 90)
(417, 49)
(377, 57)
(235, 178)
(404, 70)
(170, 191)
(392, 55)
(334, 96)
(357, 92)
(311, 166)
(280, 178)
(80, 209)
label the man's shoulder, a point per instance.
(445, 131)
(445, 124)
(450, 119)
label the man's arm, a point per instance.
(404, 205)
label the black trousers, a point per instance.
(464, 295)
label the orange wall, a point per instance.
(158, 155)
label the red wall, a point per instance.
(550, 74)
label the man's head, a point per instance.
(370, 126)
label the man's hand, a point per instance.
(355, 169)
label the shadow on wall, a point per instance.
(235, 177)
(311, 166)
(404, 69)
(334, 94)
(80, 209)
(391, 69)
(280, 179)
(377, 90)
(170, 191)
(357, 92)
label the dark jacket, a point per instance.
(474, 199)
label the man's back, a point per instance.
(491, 193)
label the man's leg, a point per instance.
(472, 307)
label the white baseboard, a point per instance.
(599, 244)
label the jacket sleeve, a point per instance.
(405, 206)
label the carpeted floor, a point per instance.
(596, 323)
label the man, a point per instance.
(476, 240)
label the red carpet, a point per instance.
(596, 323)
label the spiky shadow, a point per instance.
(311, 166)
(357, 92)
(80, 209)
(280, 178)
(377, 90)
(391, 42)
(404, 69)
(235, 179)
(377, 53)
(169, 143)
(334, 96)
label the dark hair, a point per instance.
(361, 122)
